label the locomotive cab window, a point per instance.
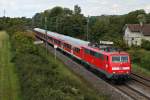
(124, 58)
(120, 59)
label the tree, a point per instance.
(99, 30)
(77, 10)
(145, 44)
(131, 18)
(141, 18)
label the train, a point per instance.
(113, 63)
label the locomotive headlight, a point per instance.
(114, 72)
(106, 65)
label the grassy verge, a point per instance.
(43, 78)
(140, 70)
(9, 87)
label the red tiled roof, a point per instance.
(145, 29)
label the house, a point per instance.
(135, 33)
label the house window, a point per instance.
(136, 43)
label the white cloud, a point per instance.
(115, 8)
(89, 7)
(147, 8)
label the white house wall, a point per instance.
(146, 38)
(132, 37)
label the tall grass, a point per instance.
(9, 85)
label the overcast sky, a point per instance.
(27, 8)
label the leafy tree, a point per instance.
(131, 18)
(77, 10)
(141, 18)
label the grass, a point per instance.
(9, 87)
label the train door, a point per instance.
(106, 63)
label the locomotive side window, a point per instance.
(97, 55)
(101, 56)
(92, 53)
(87, 51)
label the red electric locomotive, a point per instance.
(113, 63)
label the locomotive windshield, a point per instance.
(120, 59)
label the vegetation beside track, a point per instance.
(140, 61)
(9, 85)
(140, 71)
(43, 78)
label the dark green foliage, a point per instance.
(6, 22)
(145, 62)
(62, 20)
(145, 44)
(132, 17)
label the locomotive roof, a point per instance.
(104, 52)
(74, 41)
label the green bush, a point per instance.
(145, 62)
(145, 44)
(140, 57)
(136, 56)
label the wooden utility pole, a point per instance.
(87, 33)
(46, 34)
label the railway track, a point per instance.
(138, 88)
(140, 79)
(134, 92)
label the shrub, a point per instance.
(145, 44)
(140, 57)
(145, 62)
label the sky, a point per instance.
(27, 8)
